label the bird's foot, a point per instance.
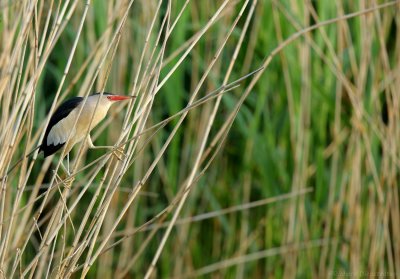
(119, 153)
(66, 182)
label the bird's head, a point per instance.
(107, 99)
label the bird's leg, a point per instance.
(67, 182)
(118, 152)
(69, 179)
(65, 168)
(68, 163)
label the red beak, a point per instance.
(119, 97)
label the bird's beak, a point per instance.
(119, 97)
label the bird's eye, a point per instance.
(108, 97)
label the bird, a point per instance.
(62, 123)
(62, 129)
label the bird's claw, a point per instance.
(119, 153)
(67, 181)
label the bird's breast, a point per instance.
(86, 123)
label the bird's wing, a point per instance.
(60, 132)
(60, 125)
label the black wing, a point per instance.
(61, 112)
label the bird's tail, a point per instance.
(19, 162)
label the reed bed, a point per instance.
(262, 142)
